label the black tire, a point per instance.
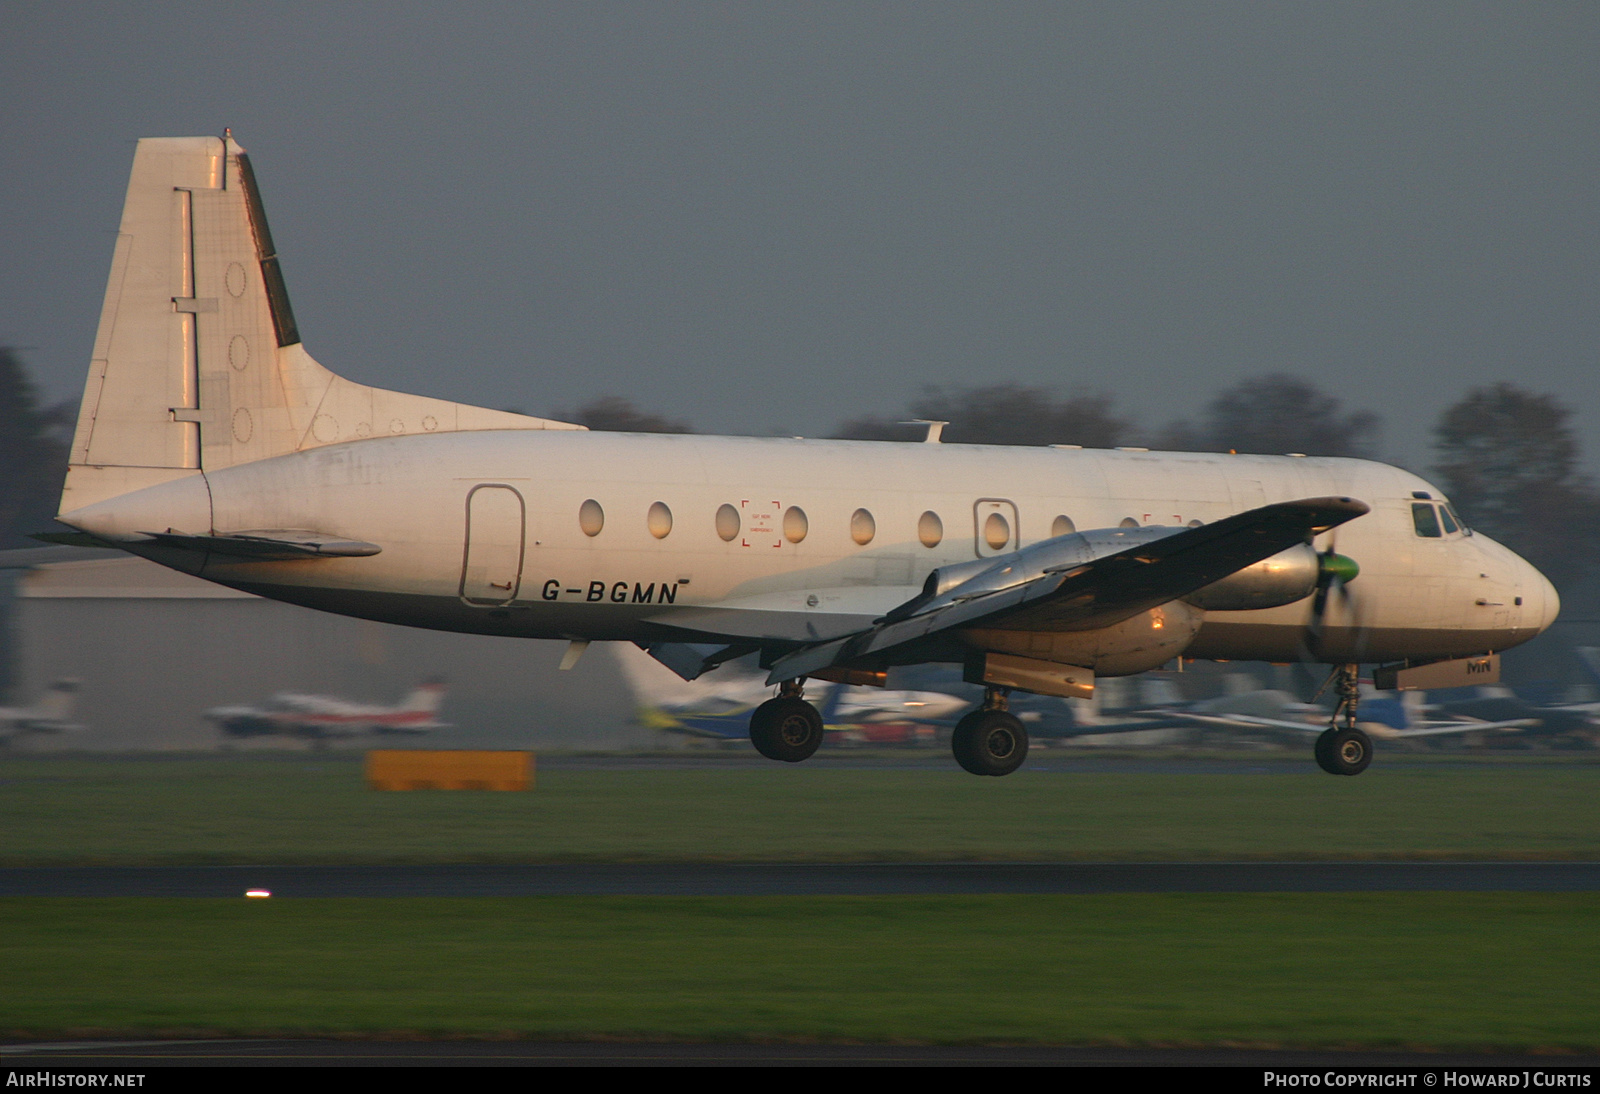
(786, 729)
(961, 741)
(1344, 751)
(1324, 741)
(989, 742)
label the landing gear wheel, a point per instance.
(786, 728)
(1344, 751)
(1320, 749)
(989, 742)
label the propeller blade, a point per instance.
(1334, 574)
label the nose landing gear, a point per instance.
(991, 740)
(1344, 750)
(787, 728)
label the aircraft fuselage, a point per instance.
(490, 532)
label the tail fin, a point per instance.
(829, 709)
(425, 698)
(197, 364)
(57, 703)
(1590, 656)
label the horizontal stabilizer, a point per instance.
(26, 558)
(70, 539)
(274, 546)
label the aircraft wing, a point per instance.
(1101, 592)
(1247, 721)
(1090, 729)
(1443, 728)
(418, 727)
(1250, 721)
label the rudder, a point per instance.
(198, 363)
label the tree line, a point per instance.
(1507, 458)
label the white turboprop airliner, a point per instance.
(211, 442)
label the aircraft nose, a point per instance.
(1548, 604)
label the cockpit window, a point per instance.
(1455, 516)
(1426, 520)
(1448, 521)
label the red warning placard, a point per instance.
(762, 519)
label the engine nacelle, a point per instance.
(1146, 641)
(1284, 578)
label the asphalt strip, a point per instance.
(457, 1053)
(780, 879)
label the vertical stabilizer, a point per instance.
(426, 698)
(197, 364)
(142, 365)
(57, 703)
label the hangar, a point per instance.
(154, 649)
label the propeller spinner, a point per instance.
(1334, 574)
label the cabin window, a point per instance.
(591, 518)
(1062, 526)
(996, 532)
(1426, 520)
(659, 520)
(1127, 522)
(862, 527)
(1196, 522)
(930, 529)
(1448, 521)
(795, 524)
(728, 523)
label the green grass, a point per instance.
(1481, 970)
(253, 809)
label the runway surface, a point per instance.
(756, 879)
(141, 1055)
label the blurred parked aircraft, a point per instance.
(321, 717)
(48, 715)
(1391, 716)
(1157, 704)
(720, 709)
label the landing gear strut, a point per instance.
(990, 740)
(786, 728)
(1344, 750)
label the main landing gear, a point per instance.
(990, 740)
(1344, 750)
(787, 728)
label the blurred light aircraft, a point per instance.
(49, 715)
(210, 441)
(323, 717)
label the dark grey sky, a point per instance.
(769, 217)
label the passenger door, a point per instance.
(491, 566)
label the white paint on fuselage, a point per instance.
(409, 495)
